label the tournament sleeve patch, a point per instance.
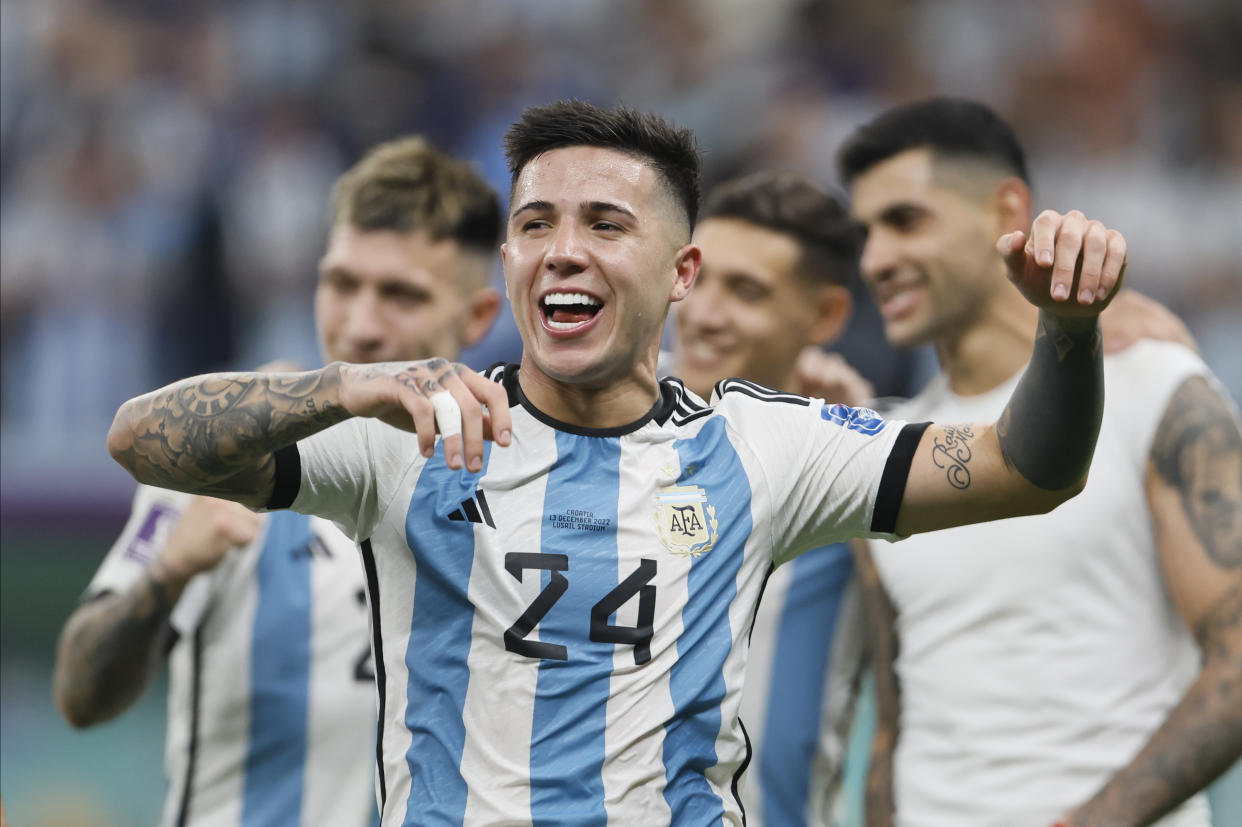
(288, 477)
(893, 480)
(862, 420)
(152, 533)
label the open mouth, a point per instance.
(568, 311)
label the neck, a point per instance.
(992, 348)
(610, 405)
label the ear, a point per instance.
(833, 306)
(1011, 206)
(484, 305)
(687, 263)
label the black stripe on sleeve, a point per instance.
(288, 477)
(893, 481)
(196, 689)
(377, 656)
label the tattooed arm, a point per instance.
(111, 646)
(882, 619)
(216, 434)
(1194, 491)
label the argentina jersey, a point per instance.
(271, 698)
(561, 638)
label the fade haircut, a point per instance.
(671, 150)
(407, 185)
(950, 127)
(791, 204)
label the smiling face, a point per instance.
(929, 256)
(595, 252)
(389, 296)
(750, 313)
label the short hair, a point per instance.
(949, 127)
(671, 150)
(407, 185)
(828, 241)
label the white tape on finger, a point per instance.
(448, 413)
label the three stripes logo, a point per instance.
(474, 510)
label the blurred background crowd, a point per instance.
(164, 169)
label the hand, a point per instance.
(205, 532)
(1067, 265)
(828, 376)
(1133, 316)
(401, 394)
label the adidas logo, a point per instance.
(474, 510)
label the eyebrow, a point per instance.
(586, 206)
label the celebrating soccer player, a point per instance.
(562, 613)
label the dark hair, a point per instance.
(671, 150)
(407, 185)
(950, 127)
(784, 202)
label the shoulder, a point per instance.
(1149, 365)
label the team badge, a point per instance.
(687, 524)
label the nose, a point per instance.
(363, 330)
(567, 253)
(879, 254)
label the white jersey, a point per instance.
(562, 636)
(271, 697)
(806, 653)
(1039, 653)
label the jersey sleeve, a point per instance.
(151, 519)
(833, 472)
(335, 476)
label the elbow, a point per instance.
(1038, 501)
(121, 439)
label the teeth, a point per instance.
(566, 299)
(564, 325)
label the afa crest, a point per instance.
(687, 524)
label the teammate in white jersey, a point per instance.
(1046, 667)
(778, 253)
(271, 708)
(563, 611)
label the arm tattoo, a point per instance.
(1198, 451)
(215, 433)
(1049, 428)
(1199, 741)
(952, 452)
(110, 650)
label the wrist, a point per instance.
(170, 576)
(1076, 326)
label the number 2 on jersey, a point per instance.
(601, 631)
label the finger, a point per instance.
(1067, 252)
(1094, 249)
(448, 416)
(1042, 243)
(1012, 247)
(418, 406)
(469, 418)
(499, 423)
(1114, 267)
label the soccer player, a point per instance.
(271, 707)
(562, 612)
(777, 254)
(1082, 666)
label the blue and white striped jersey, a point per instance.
(271, 697)
(562, 636)
(806, 654)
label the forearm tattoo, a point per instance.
(1198, 451)
(111, 650)
(1049, 428)
(206, 429)
(951, 451)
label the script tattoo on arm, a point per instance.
(1198, 451)
(110, 650)
(215, 434)
(952, 453)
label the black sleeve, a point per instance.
(288, 477)
(893, 480)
